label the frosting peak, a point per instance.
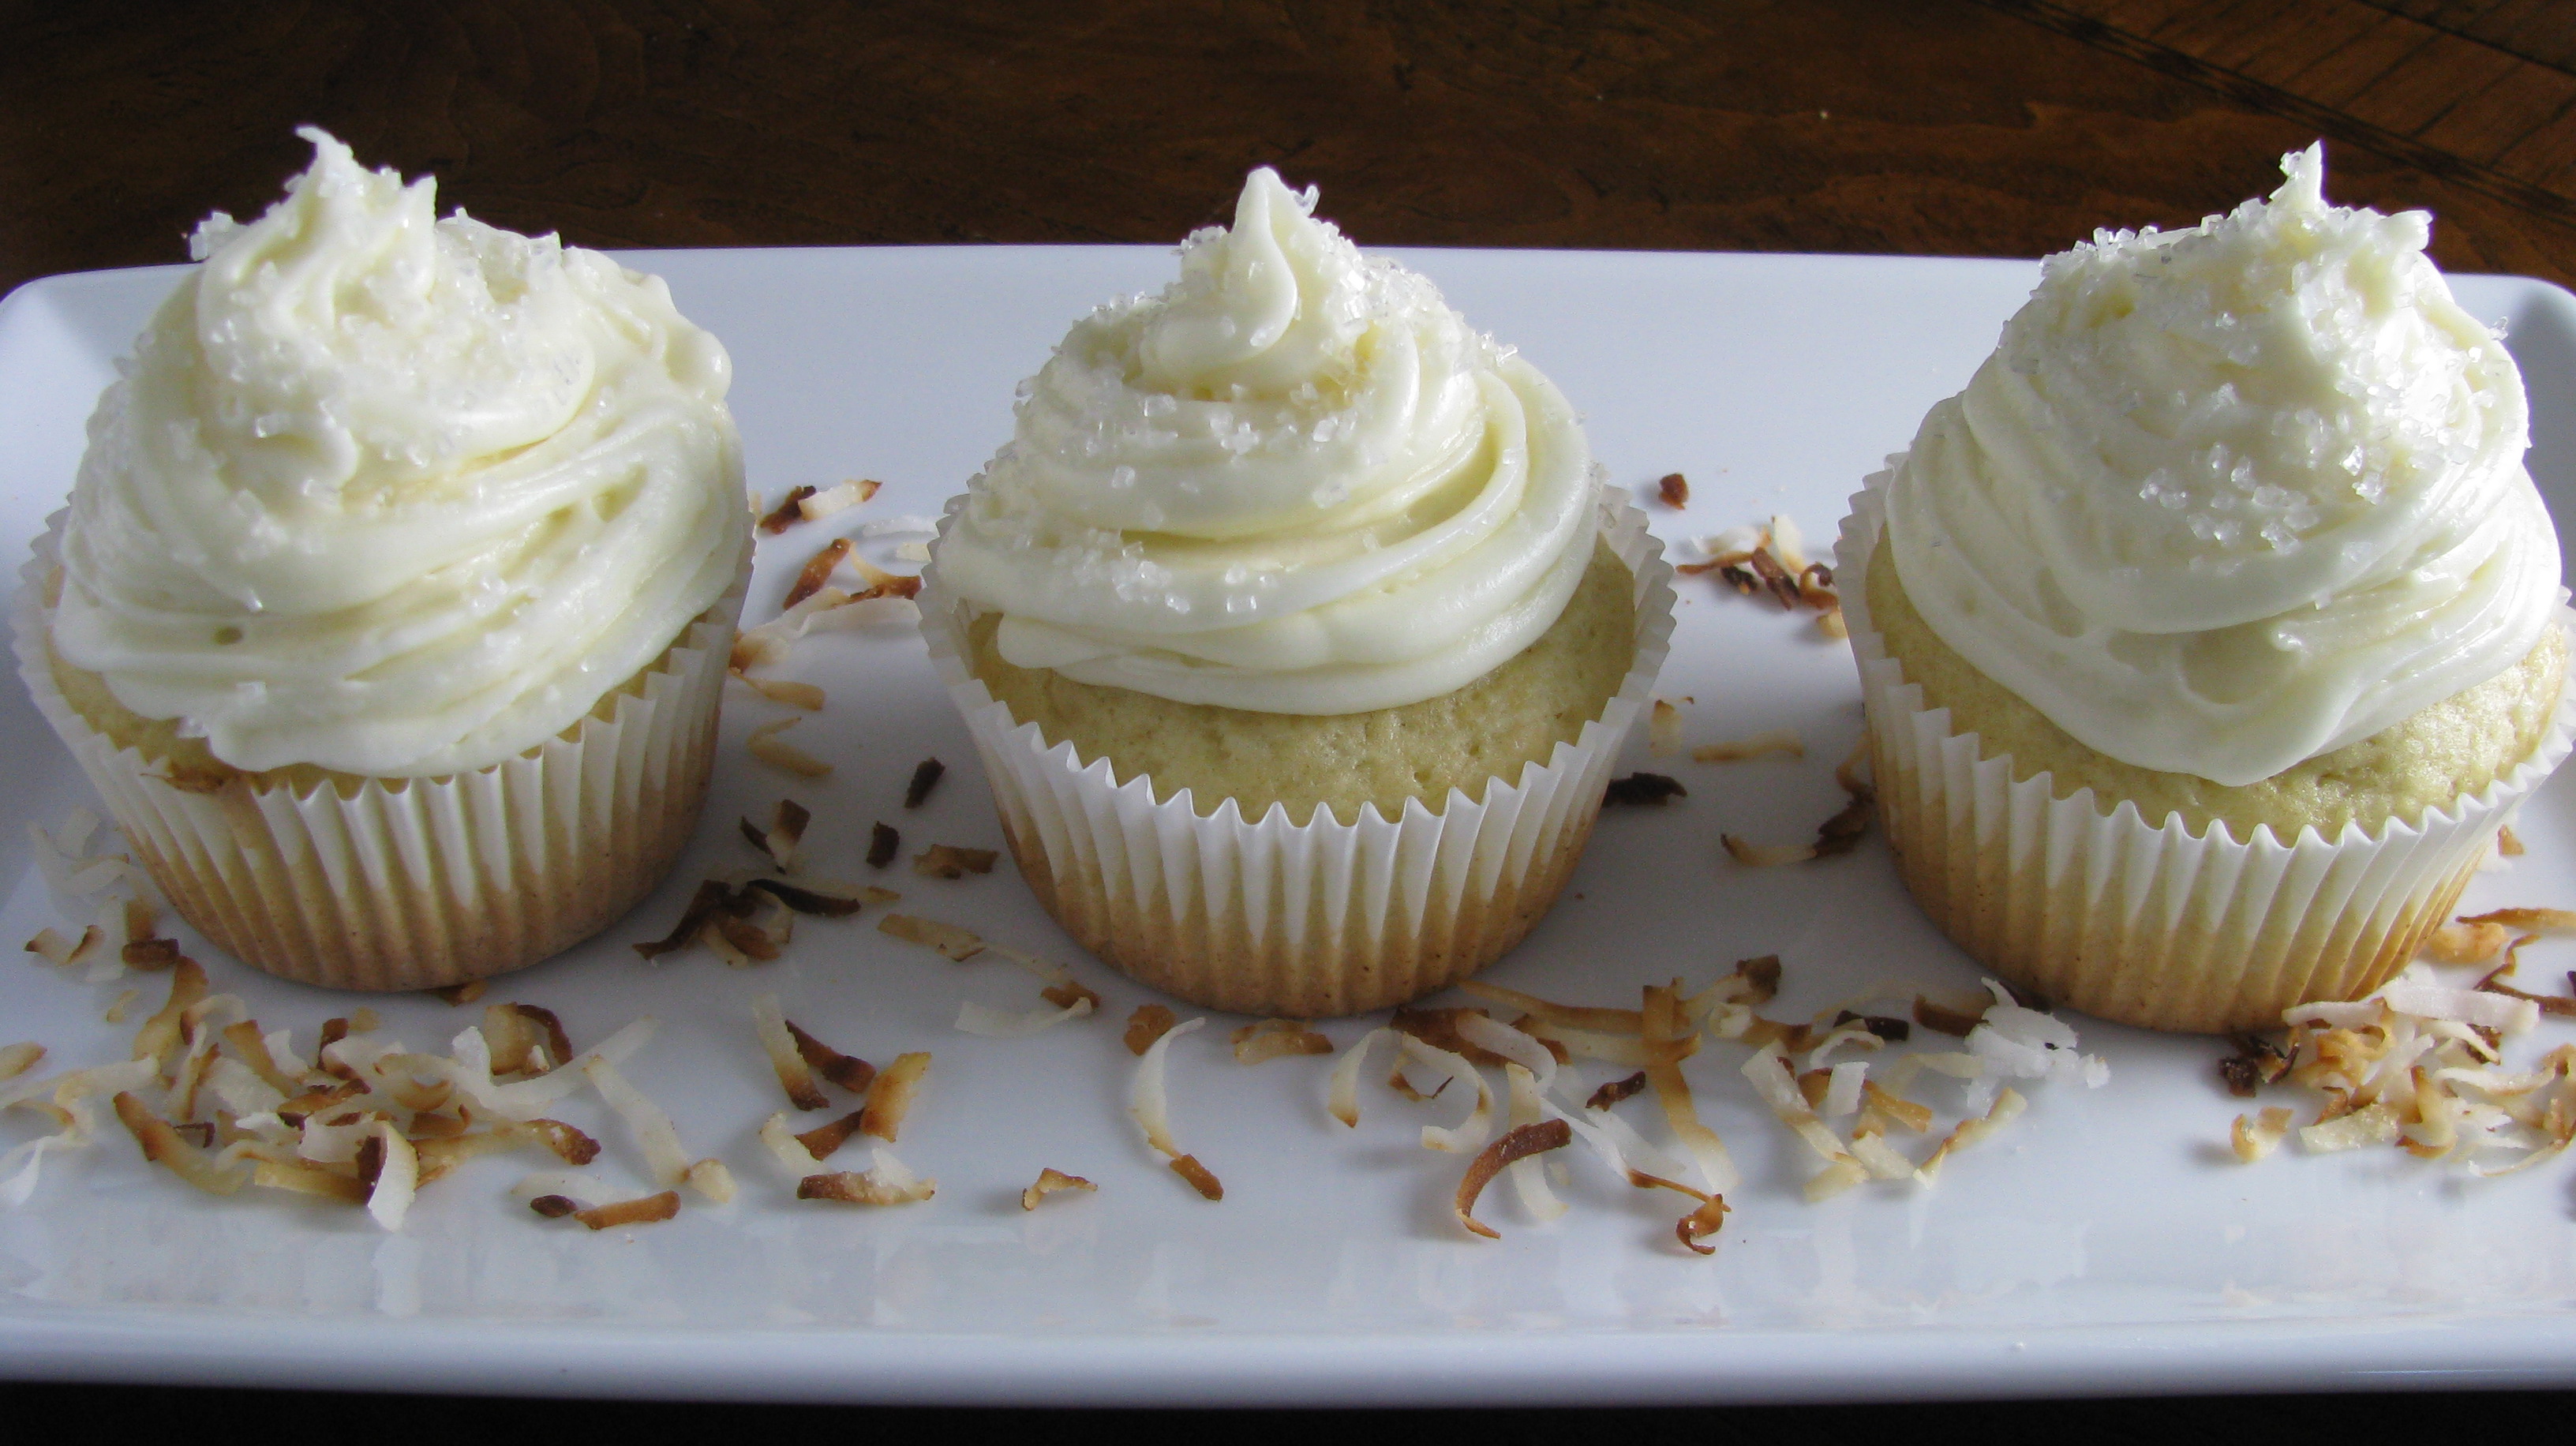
(394, 495)
(1293, 482)
(2227, 498)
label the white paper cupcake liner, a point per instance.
(414, 883)
(1308, 920)
(2140, 922)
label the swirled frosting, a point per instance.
(1293, 482)
(394, 495)
(2228, 498)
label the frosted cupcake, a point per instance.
(1295, 628)
(391, 607)
(2211, 633)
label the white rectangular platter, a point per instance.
(2105, 1243)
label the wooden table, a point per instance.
(2008, 128)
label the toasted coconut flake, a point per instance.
(271, 1169)
(511, 1040)
(785, 834)
(19, 1058)
(150, 954)
(163, 1146)
(985, 1021)
(1943, 1019)
(461, 994)
(1485, 1040)
(765, 745)
(2477, 1007)
(1148, 1102)
(789, 511)
(1343, 1095)
(2559, 1004)
(1548, 1012)
(883, 844)
(1470, 1133)
(782, 690)
(1758, 745)
(1695, 1228)
(1765, 856)
(2257, 1062)
(1878, 1157)
(821, 1141)
(818, 570)
(823, 900)
(440, 1155)
(1051, 1181)
(2255, 1137)
(839, 497)
(1615, 1091)
(885, 1182)
(121, 1006)
(891, 1095)
(790, 1149)
(949, 861)
(1271, 1038)
(902, 524)
(2457, 944)
(925, 777)
(2374, 1124)
(1895, 1108)
(2007, 1108)
(1201, 1178)
(1516, 1144)
(1653, 789)
(848, 1071)
(1149, 1023)
(644, 1210)
(1663, 729)
(1769, 1071)
(666, 1163)
(712, 899)
(2528, 921)
(160, 1035)
(712, 1179)
(2508, 843)
(795, 1076)
(1442, 1027)
(1779, 577)
(1674, 489)
(958, 944)
(1528, 1106)
(397, 1178)
(886, 584)
(575, 1189)
(1662, 1024)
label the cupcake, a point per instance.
(1295, 628)
(390, 611)
(2211, 634)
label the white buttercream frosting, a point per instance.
(1293, 482)
(2228, 498)
(394, 495)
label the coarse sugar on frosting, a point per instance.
(1293, 482)
(393, 495)
(2228, 498)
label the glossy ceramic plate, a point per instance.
(2106, 1242)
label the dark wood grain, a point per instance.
(2439, 85)
(1841, 125)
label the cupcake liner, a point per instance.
(1308, 920)
(2146, 923)
(414, 883)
